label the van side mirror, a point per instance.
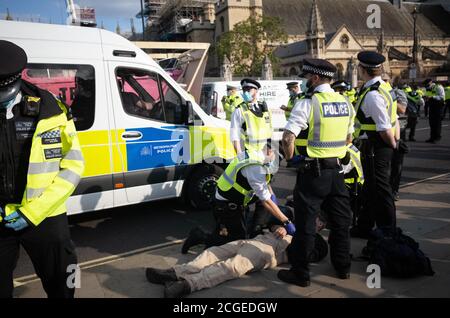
(188, 114)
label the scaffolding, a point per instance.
(174, 15)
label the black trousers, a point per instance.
(412, 123)
(446, 108)
(311, 194)
(396, 169)
(435, 118)
(378, 201)
(51, 252)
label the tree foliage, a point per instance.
(249, 42)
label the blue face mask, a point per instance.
(8, 104)
(247, 97)
(292, 93)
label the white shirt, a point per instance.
(301, 112)
(375, 106)
(440, 92)
(256, 177)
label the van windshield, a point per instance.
(208, 100)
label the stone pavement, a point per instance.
(423, 213)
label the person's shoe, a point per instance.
(358, 233)
(160, 276)
(177, 289)
(396, 196)
(412, 139)
(343, 274)
(431, 141)
(290, 277)
(196, 236)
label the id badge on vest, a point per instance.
(51, 144)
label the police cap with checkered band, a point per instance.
(318, 67)
(13, 60)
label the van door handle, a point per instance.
(132, 135)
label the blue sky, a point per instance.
(108, 11)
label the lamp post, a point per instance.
(413, 67)
(414, 15)
(142, 18)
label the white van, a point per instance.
(132, 154)
(274, 93)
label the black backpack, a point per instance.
(397, 254)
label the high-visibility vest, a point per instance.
(330, 117)
(366, 124)
(351, 95)
(258, 127)
(230, 103)
(355, 159)
(55, 168)
(447, 93)
(232, 185)
(290, 105)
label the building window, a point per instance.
(222, 24)
(344, 41)
(340, 71)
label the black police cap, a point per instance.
(13, 60)
(318, 67)
(248, 82)
(339, 84)
(291, 84)
(370, 59)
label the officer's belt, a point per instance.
(325, 163)
(227, 205)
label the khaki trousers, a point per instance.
(218, 264)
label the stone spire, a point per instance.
(267, 73)
(315, 25)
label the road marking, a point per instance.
(429, 128)
(102, 261)
(424, 180)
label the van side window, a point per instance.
(140, 94)
(72, 84)
(173, 105)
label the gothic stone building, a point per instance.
(337, 30)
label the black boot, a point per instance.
(288, 276)
(196, 236)
(160, 276)
(177, 289)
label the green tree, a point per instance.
(249, 42)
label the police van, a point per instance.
(143, 138)
(273, 92)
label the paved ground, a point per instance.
(115, 245)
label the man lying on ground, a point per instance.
(218, 264)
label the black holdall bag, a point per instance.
(397, 254)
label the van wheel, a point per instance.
(202, 186)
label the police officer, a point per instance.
(231, 101)
(245, 181)
(415, 102)
(447, 100)
(251, 122)
(434, 101)
(40, 166)
(376, 116)
(327, 118)
(294, 95)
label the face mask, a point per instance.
(247, 97)
(292, 93)
(272, 166)
(8, 104)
